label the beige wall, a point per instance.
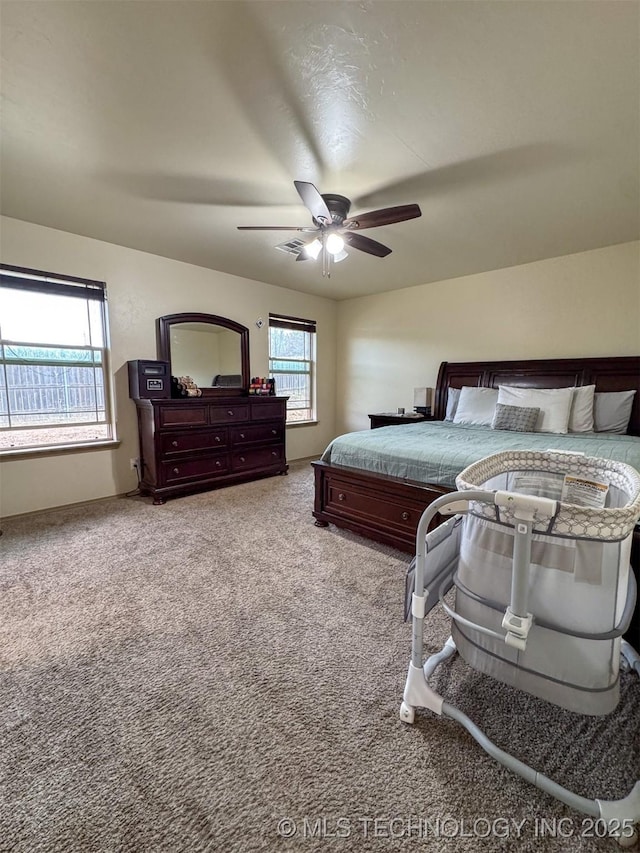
(140, 288)
(579, 305)
(586, 304)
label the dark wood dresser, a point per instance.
(194, 444)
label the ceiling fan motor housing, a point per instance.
(338, 207)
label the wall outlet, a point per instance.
(134, 464)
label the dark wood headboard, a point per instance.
(618, 373)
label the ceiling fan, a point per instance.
(334, 229)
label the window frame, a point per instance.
(283, 321)
(39, 281)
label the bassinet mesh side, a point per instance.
(578, 581)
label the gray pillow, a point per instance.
(453, 395)
(612, 411)
(515, 418)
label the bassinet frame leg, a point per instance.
(630, 655)
(417, 691)
(620, 816)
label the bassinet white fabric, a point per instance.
(578, 578)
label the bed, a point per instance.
(374, 490)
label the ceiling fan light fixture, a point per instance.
(340, 256)
(313, 248)
(335, 244)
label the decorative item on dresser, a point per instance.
(202, 443)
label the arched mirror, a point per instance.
(212, 350)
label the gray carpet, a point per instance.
(184, 677)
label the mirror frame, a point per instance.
(163, 332)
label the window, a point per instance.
(292, 344)
(53, 361)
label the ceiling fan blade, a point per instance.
(366, 244)
(275, 228)
(384, 216)
(313, 201)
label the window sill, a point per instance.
(19, 452)
(297, 424)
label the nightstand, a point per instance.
(393, 418)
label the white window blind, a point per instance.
(53, 360)
(292, 346)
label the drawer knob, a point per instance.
(174, 443)
(342, 496)
(176, 470)
(218, 438)
(241, 435)
(274, 453)
(274, 432)
(230, 412)
(242, 459)
(405, 516)
(218, 463)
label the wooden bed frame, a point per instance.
(387, 509)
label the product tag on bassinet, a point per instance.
(582, 492)
(539, 485)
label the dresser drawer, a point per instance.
(229, 414)
(193, 469)
(187, 415)
(259, 457)
(178, 443)
(257, 432)
(266, 409)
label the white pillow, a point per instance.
(453, 395)
(581, 415)
(476, 406)
(554, 405)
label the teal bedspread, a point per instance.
(437, 451)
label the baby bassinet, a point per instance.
(538, 553)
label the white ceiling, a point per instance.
(164, 125)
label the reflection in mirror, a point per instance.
(209, 354)
(212, 350)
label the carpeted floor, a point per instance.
(217, 674)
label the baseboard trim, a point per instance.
(74, 505)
